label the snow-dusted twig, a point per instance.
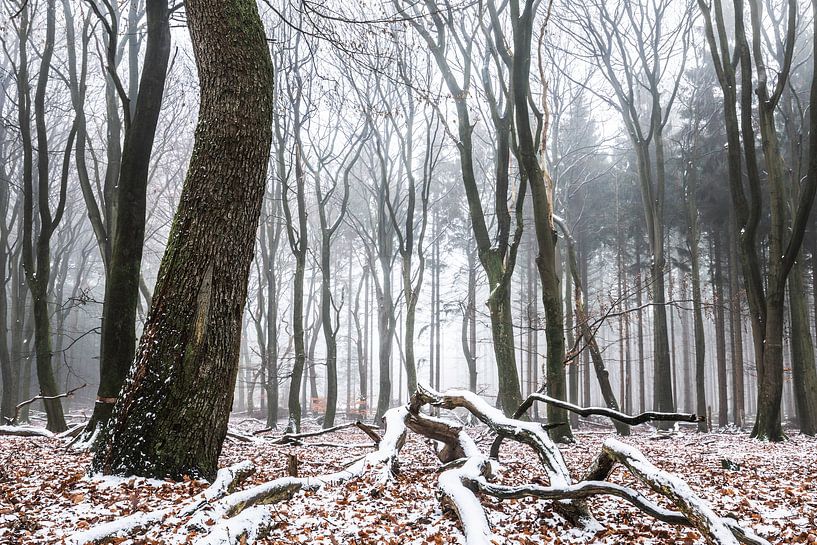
(294, 438)
(40, 397)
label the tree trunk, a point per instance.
(329, 332)
(298, 243)
(541, 186)
(736, 329)
(469, 333)
(804, 374)
(573, 363)
(9, 369)
(720, 330)
(589, 337)
(642, 394)
(38, 269)
(171, 418)
(118, 339)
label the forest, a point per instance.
(408, 271)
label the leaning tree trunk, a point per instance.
(122, 285)
(171, 418)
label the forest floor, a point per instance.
(46, 493)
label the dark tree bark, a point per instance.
(497, 256)
(36, 256)
(720, 328)
(736, 330)
(786, 226)
(541, 187)
(587, 335)
(171, 418)
(698, 318)
(469, 321)
(9, 369)
(298, 242)
(804, 374)
(118, 340)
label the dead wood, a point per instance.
(649, 416)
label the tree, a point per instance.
(450, 42)
(643, 62)
(171, 418)
(787, 228)
(299, 244)
(37, 266)
(124, 269)
(328, 228)
(541, 187)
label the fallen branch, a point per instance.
(585, 412)
(294, 438)
(530, 433)
(586, 489)
(455, 487)
(39, 397)
(239, 437)
(226, 481)
(241, 519)
(73, 431)
(697, 512)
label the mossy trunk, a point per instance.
(171, 418)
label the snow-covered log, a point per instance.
(25, 431)
(699, 513)
(463, 464)
(226, 481)
(530, 433)
(586, 489)
(456, 493)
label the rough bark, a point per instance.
(171, 418)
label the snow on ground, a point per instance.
(46, 493)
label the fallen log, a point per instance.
(649, 416)
(699, 513)
(456, 493)
(40, 397)
(530, 433)
(587, 489)
(220, 516)
(25, 431)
